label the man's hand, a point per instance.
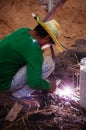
(53, 87)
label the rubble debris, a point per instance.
(14, 112)
(62, 114)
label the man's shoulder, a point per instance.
(21, 30)
(18, 31)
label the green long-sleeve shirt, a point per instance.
(16, 50)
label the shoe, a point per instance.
(27, 102)
(23, 92)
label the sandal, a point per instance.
(27, 102)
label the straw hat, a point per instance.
(53, 29)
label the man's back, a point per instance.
(14, 50)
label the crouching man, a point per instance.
(23, 68)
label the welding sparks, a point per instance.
(65, 92)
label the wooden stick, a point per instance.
(14, 112)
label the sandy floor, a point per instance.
(71, 16)
(14, 15)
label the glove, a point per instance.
(53, 87)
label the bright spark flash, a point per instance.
(65, 92)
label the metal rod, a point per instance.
(50, 5)
(58, 4)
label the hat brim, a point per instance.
(50, 33)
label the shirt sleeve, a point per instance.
(32, 54)
(34, 74)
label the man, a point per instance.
(23, 68)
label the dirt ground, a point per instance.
(71, 16)
(15, 14)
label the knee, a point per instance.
(48, 61)
(48, 66)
